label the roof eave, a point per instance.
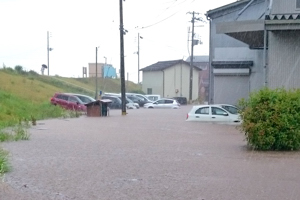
(225, 7)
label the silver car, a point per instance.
(163, 103)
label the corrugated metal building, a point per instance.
(253, 43)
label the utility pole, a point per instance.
(48, 50)
(122, 67)
(96, 92)
(192, 56)
(138, 53)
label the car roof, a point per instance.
(224, 104)
(78, 94)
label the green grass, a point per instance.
(4, 164)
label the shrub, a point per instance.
(270, 119)
(4, 165)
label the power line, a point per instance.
(166, 17)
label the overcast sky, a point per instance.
(78, 27)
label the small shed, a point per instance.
(98, 108)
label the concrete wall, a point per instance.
(177, 78)
(172, 82)
(154, 80)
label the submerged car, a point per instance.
(214, 113)
(153, 97)
(68, 101)
(163, 103)
(117, 102)
(84, 98)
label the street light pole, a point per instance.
(48, 49)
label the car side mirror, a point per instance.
(225, 114)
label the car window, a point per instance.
(168, 101)
(231, 109)
(84, 99)
(160, 101)
(73, 99)
(141, 97)
(63, 97)
(204, 110)
(217, 111)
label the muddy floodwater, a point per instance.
(148, 154)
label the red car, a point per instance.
(68, 101)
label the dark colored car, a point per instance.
(68, 101)
(181, 100)
(135, 99)
(84, 98)
(142, 100)
(116, 102)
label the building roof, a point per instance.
(225, 7)
(162, 65)
(201, 62)
(198, 59)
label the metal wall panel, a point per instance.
(284, 59)
(229, 89)
(284, 7)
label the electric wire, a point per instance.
(151, 25)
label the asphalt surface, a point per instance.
(148, 154)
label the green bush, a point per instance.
(270, 119)
(4, 164)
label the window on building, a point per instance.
(298, 4)
(149, 90)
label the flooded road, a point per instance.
(148, 154)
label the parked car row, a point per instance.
(204, 113)
(73, 101)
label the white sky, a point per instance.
(78, 27)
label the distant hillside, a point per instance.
(38, 88)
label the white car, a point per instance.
(153, 97)
(163, 103)
(214, 113)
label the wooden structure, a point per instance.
(98, 108)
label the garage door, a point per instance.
(229, 89)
